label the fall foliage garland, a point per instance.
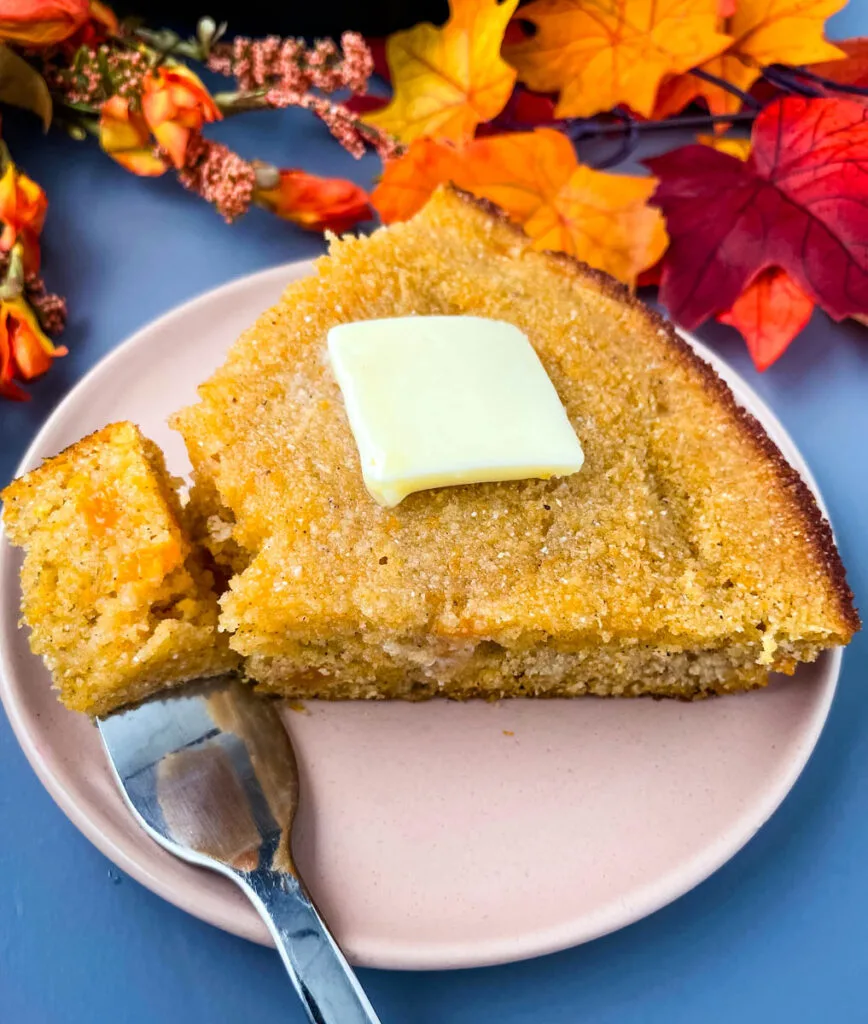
(752, 232)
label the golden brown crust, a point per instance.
(21, 486)
(817, 529)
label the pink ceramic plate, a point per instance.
(435, 835)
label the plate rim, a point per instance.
(654, 896)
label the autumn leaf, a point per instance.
(797, 203)
(408, 181)
(377, 46)
(739, 148)
(532, 108)
(768, 314)
(21, 85)
(523, 109)
(773, 309)
(601, 55)
(448, 80)
(763, 32)
(365, 104)
(602, 219)
(650, 277)
(852, 69)
(597, 217)
(678, 91)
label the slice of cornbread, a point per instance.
(117, 602)
(685, 558)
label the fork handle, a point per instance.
(327, 985)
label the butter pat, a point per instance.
(435, 401)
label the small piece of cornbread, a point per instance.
(118, 604)
(437, 401)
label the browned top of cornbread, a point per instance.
(118, 603)
(685, 524)
(137, 510)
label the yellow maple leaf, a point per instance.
(600, 53)
(448, 80)
(562, 205)
(763, 32)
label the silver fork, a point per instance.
(210, 773)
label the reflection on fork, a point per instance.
(210, 773)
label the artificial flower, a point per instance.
(175, 104)
(22, 212)
(26, 351)
(102, 23)
(315, 203)
(41, 22)
(220, 176)
(124, 135)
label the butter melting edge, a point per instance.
(440, 401)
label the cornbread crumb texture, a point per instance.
(117, 602)
(685, 533)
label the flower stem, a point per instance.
(168, 44)
(592, 130)
(781, 79)
(12, 286)
(788, 78)
(232, 103)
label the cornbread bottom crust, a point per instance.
(607, 670)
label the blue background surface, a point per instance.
(779, 934)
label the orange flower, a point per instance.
(314, 203)
(22, 212)
(41, 22)
(176, 104)
(26, 351)
(124, 135)
(102, 22)
(103, 17)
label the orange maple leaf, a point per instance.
(408, 181)
(768, 314)
(763, 32)
(448, 80)
(600, 54)
(562, 205)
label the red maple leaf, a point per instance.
(853, 69)
(649, 278)
(799, 202)
(377, 46)
(365, 104)
(523, 108)
(768, 314)
(533, 108)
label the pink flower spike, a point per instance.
(220, 176)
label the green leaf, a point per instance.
(21, 85)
